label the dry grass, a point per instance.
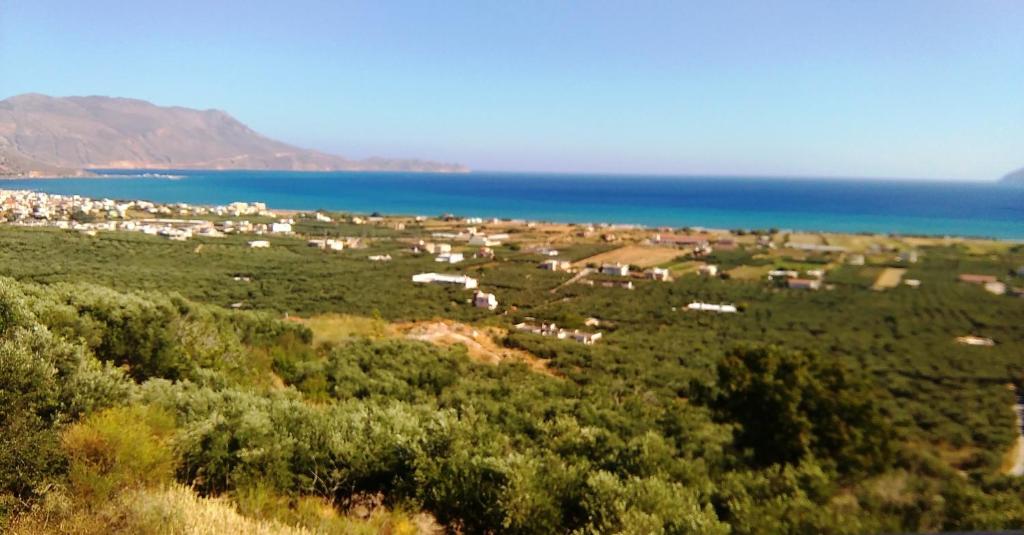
(338, 328)
(806, 237)
(634, 255)
(1010, 457)
(888, 278)
(750, 273)
(176, 510)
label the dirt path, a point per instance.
(583, 273)
(1018, 464)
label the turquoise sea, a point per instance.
(847, 205)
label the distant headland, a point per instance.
(1016, 177)
(44, 136)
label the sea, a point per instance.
(910, 207)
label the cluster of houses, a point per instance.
(552, 330)
(74, 212)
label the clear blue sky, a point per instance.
(929, 88)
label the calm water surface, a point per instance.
(913, 207)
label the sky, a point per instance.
(854, 88)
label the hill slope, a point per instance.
(50, 135)
(1016, 177)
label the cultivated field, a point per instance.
(634, 255)
(888, 278)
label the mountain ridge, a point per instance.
(41, 135)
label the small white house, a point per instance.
(908, 257)
(996, 288)
(555, 265)
(782, 274)
(619, 270)
(658, 274)
(259, 244)
(450, 258)
(708, 270)
(483, 241)
(380, 258)
(485, 300)
(437, 248)
(586, 338)
(281, 228)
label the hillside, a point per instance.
(47, 135)
(1016, 177)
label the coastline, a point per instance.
(905, 208)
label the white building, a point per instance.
(380, 258)
(437, 248)
(909, 257)
(619, 270)
(485, 300)
(708, 270)
(555, 265)
(975, 341)
(996, 288)
(658, 274)
(259, 244)
(708, 307)
(281, 228)
(450, 258)
(437, 278)
(782, 274)
(483, 241)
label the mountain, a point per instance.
(1016, 177)
(46, 135)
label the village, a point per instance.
(616, 257)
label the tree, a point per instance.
(791, 406)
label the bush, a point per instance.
(119, 449)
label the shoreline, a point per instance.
(567, 218)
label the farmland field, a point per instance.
(634, 255)
(888, 278)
